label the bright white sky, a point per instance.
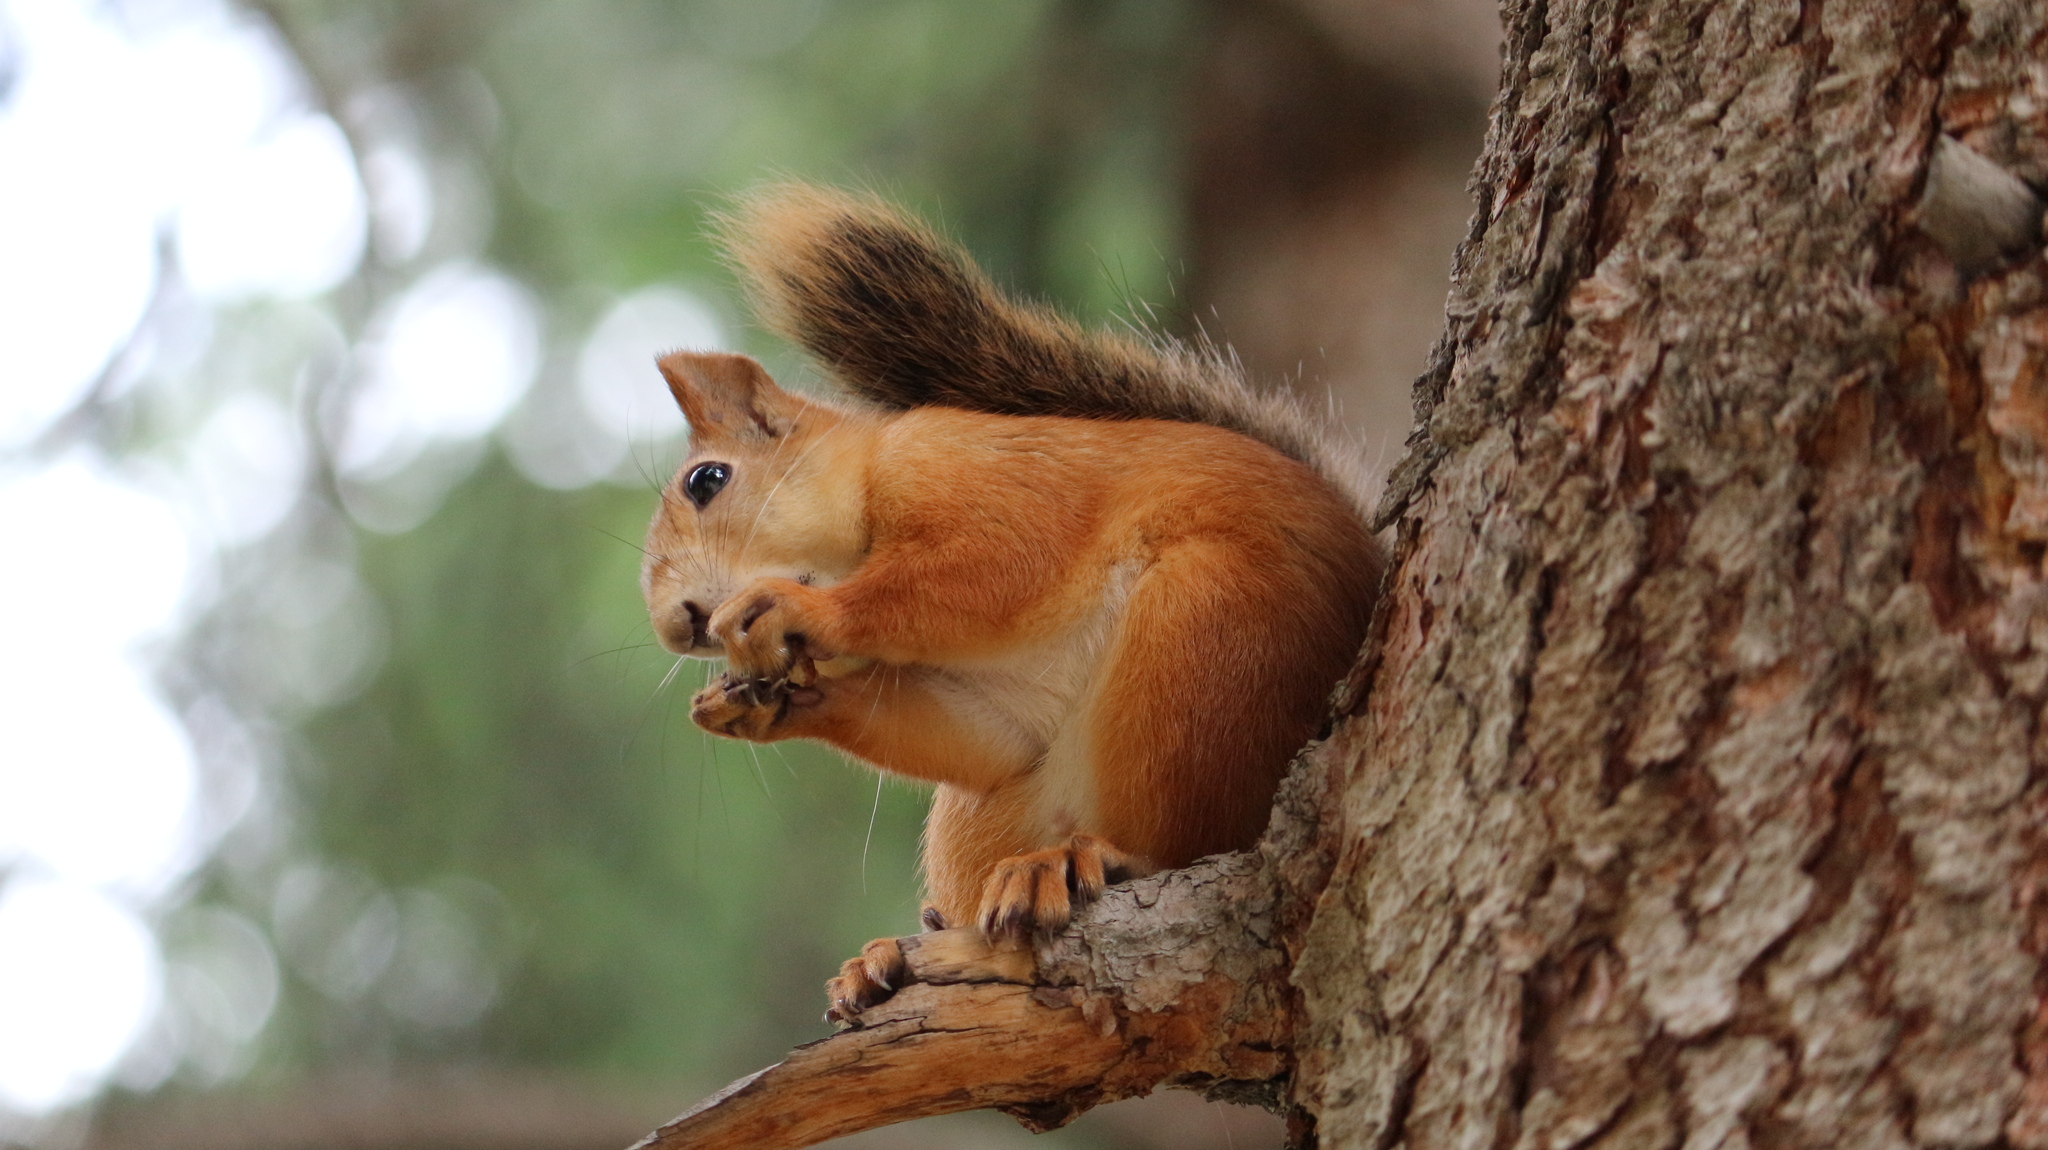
(187, 131)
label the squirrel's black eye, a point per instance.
(704, 481)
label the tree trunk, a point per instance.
(1698, 796)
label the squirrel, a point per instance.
(1092, 585)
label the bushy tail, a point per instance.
(905, 319)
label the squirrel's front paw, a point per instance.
(763, 630)
(864, 980)
(756, 710)
(1037, 892)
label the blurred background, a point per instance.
(345, 799)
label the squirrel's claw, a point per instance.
(868, 978)
(739, 708)
(1037, 892)
(769, 632)
(753, 708)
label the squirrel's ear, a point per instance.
(731, 394)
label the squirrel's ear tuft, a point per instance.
(731, 395)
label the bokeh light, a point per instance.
(79, 978)
(167, 171)
(453, 355)
(170, 158)
(97, 780)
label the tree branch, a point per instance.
(1179, 980)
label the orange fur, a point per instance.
(1103, 638)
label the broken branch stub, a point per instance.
(1173, 980)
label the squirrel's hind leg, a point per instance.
(1220, 670)
(964, 836)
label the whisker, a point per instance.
(801, 456)
(725, 555)
(872, 812)
(671, 676)
(724, 809)
(755, 754)
(646, 467)
(661, 559)
(705, 765)
(613, 651)
(874, 705)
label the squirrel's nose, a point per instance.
(700, 636)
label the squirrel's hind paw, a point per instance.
(1037, 893)
(864, 980)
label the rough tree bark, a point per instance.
(1693, 793)
(1699, 795)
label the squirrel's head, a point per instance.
(773, 485)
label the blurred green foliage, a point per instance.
(665, 907)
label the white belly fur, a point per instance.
(1034, 704)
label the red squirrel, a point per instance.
(1093, 586)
